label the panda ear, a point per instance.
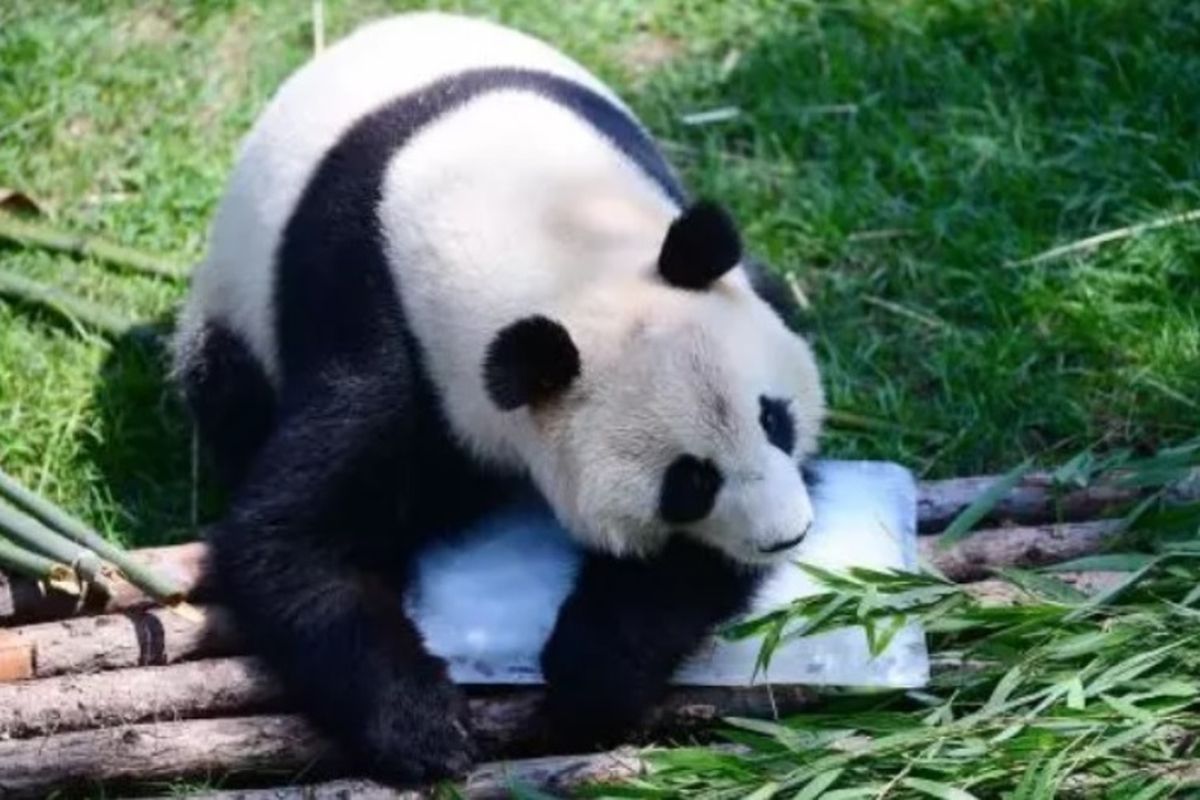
(702, 244)
(529, 362)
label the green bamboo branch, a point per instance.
(849, 420)
(89, 314)
(39, 234)
(52, 516)
(24, 530)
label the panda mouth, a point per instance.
(779, 547)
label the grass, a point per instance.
(896, 158)
(904, 161)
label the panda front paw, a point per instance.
(597, 690)
(417, 735)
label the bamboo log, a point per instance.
(975, 557)
(555, 775)
(214, 687)
(504, 721)
(1036, 500)
(285, 746)
(995, 591)
(282, 746)
(24, 601)
(113, 641)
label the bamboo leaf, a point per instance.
(979, 508)
(1043, 586)
(817, 786)
(1106, 562)
(938, 790)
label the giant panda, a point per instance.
(450, 264)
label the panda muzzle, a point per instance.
(779, 547)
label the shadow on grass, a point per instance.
(143, 446)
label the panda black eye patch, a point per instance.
(777, 423)
(689, 490)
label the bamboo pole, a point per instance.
(27, 531)
(148, 580)
(39, 234)
(24, 601)
(91, 315)
(32, 565)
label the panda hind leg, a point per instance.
(293, 560)
(230, 398)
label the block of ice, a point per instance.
(487, 600)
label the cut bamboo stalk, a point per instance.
(27, 531)
(504, 721)
(975, 557)
(554, 775)
(16, 658)
(24, 601)
(37, 234)
(1037, 500)
(115, 641)
(148, 580)
(100, 319)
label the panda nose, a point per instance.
(786, 544)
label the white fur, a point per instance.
(508, 206)
(304, 119)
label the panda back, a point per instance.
(313, 110)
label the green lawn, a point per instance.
(895, 156)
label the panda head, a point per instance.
(670, 402)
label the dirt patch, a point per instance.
(233, 58)
(648, 51)
(149, 24)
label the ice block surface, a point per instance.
(487, 600)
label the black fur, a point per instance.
(777, 423)
(231, 401)
(775, 292)
(626, 627)
(356, 467)
(689, 490)
(529, 362)
(702, 244)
